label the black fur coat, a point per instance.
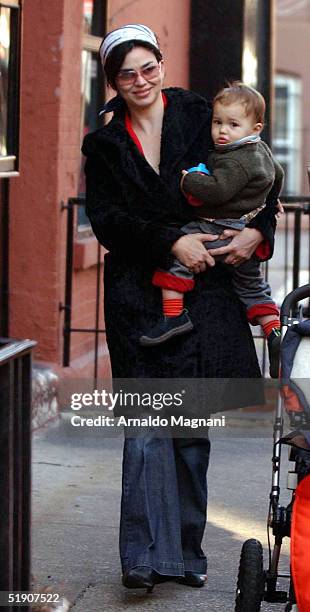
(136, 215)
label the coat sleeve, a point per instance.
(116, 229)
(279, 178)
(266, 221)
(278, 172)
(228, 178)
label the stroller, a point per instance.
(254, 583)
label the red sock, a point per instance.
(172, 308)
(268, 327)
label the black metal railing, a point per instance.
(67, 306)
(299, 207)
(15, 464)
(290, 258)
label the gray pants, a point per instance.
(248, 281)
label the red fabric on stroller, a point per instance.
(300, 545)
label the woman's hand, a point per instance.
(242, 246)
(190, 251)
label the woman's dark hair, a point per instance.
(117, 56)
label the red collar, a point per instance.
(131, 131)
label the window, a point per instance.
(92, 90)
(9, 86)
(287, 130)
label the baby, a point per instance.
(243, 172)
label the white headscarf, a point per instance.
(135, 31)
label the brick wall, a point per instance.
(49, 159)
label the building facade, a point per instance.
(292, 84)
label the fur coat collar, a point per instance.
(185, 116)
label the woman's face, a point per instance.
(140, 78)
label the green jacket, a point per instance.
(240, 182)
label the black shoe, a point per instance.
(192, 579)
(143, 578)
(274, 343)
(167, 328)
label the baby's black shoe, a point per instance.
(166, 328)
(274, 343)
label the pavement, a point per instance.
(75, 509)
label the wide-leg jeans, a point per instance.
(164, 502)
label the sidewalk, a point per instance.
(76, 497)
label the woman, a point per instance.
(136, 209)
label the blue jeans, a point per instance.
(164, 502)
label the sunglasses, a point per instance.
(128, 77)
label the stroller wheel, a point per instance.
(251, 581)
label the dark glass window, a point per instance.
(281, 112)
(287, 129)
(94, 17)
(92, 87)
(9, 86)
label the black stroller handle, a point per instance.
(291, 299)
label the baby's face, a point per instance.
(230, 123)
